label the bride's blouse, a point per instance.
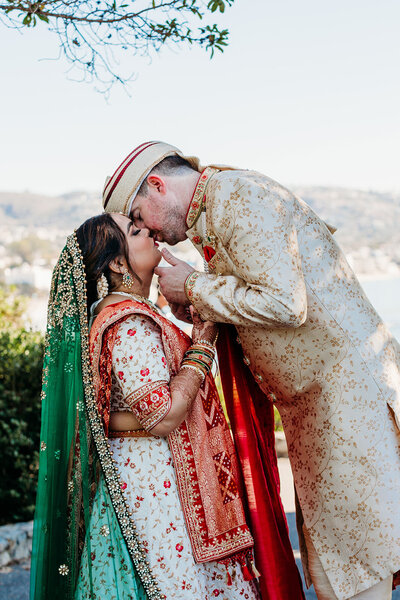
(140, 377)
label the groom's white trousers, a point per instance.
(323, 589)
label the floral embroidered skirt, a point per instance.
(148, 476)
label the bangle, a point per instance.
(201, 351)
(196, 361)
(200, 347)
(207, 343)
(201, 355)
(198, 370)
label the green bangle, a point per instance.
(198, 362)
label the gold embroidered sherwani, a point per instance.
(318, 348)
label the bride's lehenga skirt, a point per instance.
(148, 479)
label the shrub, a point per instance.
(21, 356)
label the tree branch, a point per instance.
(89, 32)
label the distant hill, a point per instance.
(59, 212)
(363, 218)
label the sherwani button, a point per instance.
(259, 377)
(246, 360)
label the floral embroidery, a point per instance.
(152, 407)
(63, 570)
(190, 283)
(104, 530)
(169, 551)
(314, 341)
(197, 202)
(231, 536)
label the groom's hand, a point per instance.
(172, 279)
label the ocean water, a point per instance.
(384, 294)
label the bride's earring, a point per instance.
(127, 279)
(102, 287)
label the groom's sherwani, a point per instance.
(320, 351)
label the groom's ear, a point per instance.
(157, 184)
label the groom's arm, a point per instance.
(256, 228)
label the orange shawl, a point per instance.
(204, 457)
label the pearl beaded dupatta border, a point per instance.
(85, 542)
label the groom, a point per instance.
(313, 342)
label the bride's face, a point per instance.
(144, 254)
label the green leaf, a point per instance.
(27, 20)
(43, 18)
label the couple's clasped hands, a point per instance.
(172, 286)
(171, 281)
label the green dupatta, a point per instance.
(84, 540)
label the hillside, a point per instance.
(58, 212)
(367, 224)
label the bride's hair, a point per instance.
(101, 241)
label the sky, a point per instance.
(308, 92)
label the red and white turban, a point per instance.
(120, 189)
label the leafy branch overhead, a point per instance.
(92, 33)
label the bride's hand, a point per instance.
(202, 330)
(181, 312)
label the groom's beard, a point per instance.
(174, 227)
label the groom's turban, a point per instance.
(120, 189)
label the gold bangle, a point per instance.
(198, 370)
(207, 343)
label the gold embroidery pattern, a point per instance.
(223, 467)
(145, 389)
(134, 433)
(313, 340)
(152, 406)
(190, 283)
(197, 202)
(111, 476)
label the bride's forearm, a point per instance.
(183, 389)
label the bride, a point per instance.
(139, 492)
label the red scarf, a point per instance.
(204, 457)
(251, 416)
